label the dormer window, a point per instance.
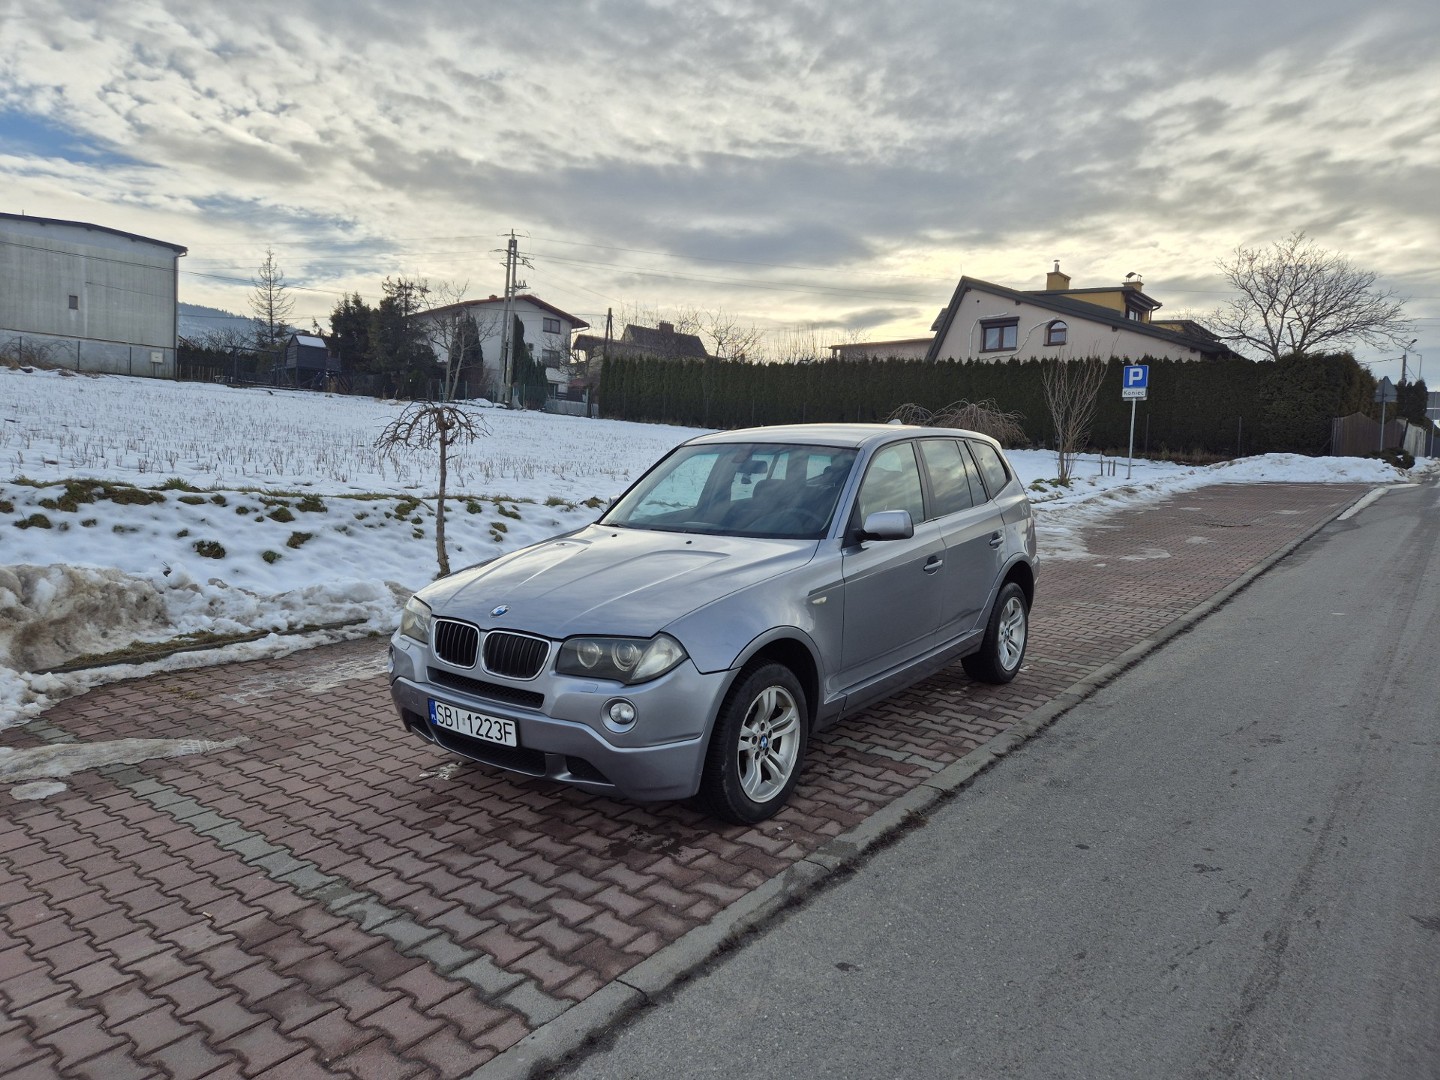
(1056, 332)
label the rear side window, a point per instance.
(892, 483)
(992, 466)
(950, 470)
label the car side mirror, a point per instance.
(888, 525)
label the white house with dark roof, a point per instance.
(548, 333)
(985, 321)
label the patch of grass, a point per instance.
(242, 510)
(271, 556)
(182, 534)
(193, 500)
(6, 506)
(34, 521)
(176, 483)
(406, 506)
(417, 534)
(281, 514)
(474, 506)
(210, 549)
(89, 523)
(556, 500)
(507, 511)
(299, 539)
(362, 515)
(123, 529)
(131, 496)
(594, 502)
(312, 504)
(22, 479)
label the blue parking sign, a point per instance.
(1137, 376)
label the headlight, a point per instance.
(415, 620)
(626, 660)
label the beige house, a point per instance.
(985, 321)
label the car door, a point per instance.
(973, 533)
(892, 606)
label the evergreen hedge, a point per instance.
(1210, 407)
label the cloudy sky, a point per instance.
(825, 168)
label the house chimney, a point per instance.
(1133, 281)
(665, 327)
(1055, 281)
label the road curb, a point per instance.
(550, 1044)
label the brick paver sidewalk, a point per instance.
(331, 897)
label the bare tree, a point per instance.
(730, 339)
(1072, 392)
(1296, 298)
(454, 338)
(986, 417)
(271, 306)
(442, 425)
(796, 345)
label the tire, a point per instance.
(757, 747)
(1006, 635)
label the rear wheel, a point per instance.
(757, 747)
(1003, 650)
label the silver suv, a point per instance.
(751, 588)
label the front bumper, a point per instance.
(565, 739)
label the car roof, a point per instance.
(859, 436)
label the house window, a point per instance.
(999, 335)
(74, 302)
(1055, 332)
(552, 326)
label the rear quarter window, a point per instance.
(992, 466)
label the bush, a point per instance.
(1401, 459)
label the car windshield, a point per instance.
(739, 489)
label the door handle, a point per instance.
(996, 539)
(935, 562)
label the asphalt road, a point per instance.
(1225, 864)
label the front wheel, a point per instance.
(757, 747)
(1003, 649)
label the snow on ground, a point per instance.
(270, 513)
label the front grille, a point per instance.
(456, 642)
(516, 656)
(511, 695)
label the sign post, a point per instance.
(1134, 387)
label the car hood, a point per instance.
(611, 581)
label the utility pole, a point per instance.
(513, 261)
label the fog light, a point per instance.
(619, 714)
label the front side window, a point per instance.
(1056, 332)
(1000, 335)
(892, 483)
(551, 326)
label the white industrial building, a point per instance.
(87, 297)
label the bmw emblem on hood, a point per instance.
(501, 610)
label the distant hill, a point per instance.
(198, 322)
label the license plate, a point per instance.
(476, 725)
